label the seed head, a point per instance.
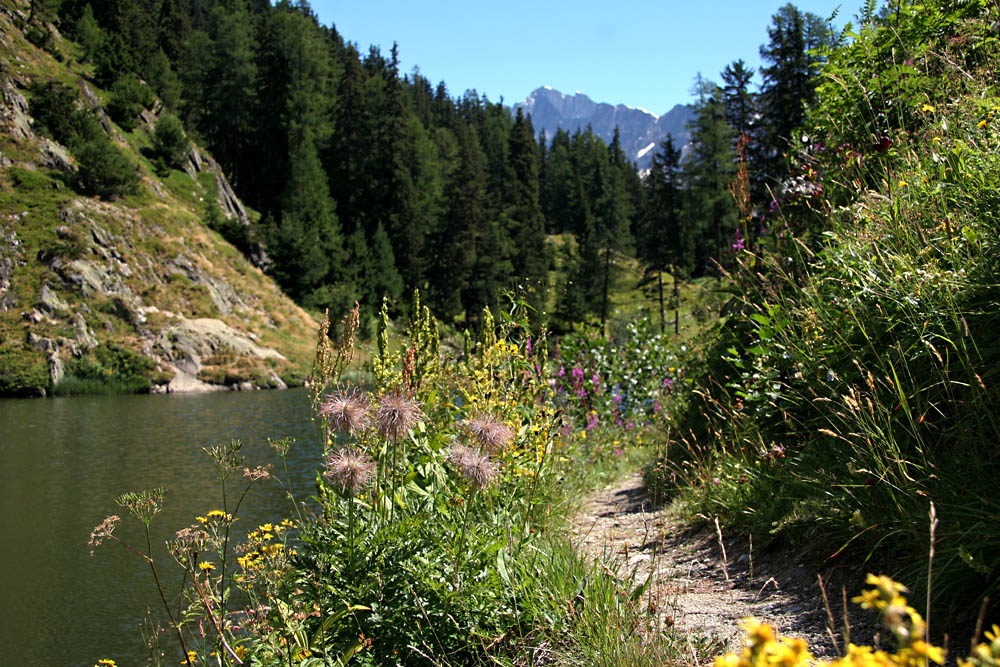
(103, 531)
(397, 414)
(258, 473)
(346, 412)
(474, 467)
(350, 470)
(492, 435)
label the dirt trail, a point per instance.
(696, 589)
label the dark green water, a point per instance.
(64, 460)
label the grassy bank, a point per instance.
(853, 389)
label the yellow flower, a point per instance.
(936, 140)
(241, 651)
(981, 123)
(206, 566)
(105, 662)
(902, 183)
(928, 651)
(192, 658)
(201, 519)
(927, 107)
(266, 528)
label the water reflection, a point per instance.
(62, 461)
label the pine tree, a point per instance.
(386, 281)
(708, 169)
(306, 242)
(522, 210)
(663, 244)
(613, 220)
(789, 82)
(740, 102)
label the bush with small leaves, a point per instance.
(129, 96)
(170, 141)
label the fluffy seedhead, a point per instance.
(349, 470)
(396, 416)
(346, 412)
(475, 468)
(492, 435)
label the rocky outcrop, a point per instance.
(225, 299)
(14, 112)
(52, 155)
(11, 256)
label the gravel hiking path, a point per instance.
(697, 590)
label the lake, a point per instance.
(62, 463)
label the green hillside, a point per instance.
(130, 291)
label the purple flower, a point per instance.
(619, 451)
(617, 398)
(738, 243)
(528, 346)
(577, 374)
(668, 383)
(595, 380)
(592, 420)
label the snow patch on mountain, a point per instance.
(640, 154)
(640, 130)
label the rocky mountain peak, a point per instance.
(641, 130)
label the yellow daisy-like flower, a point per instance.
(903, 183)
(928, 651)
(191, 658)
(927, 107)
(206, 566)
(981, 123)
(201, 519)
(106, 662)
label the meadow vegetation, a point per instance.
(843, 401)
(852, 389)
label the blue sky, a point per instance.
(643, 54)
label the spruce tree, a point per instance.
(789, 83)
(522, 210)
(708, 169)
(663, 243)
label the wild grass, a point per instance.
(855, 381)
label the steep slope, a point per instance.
(135, 292)
(641, 130)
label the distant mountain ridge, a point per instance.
(641, 130)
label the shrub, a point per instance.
(129, 96)
(23, 373)
(39, 36)
(111, 369)
(53, 106)
(104, 170)
(170, 142)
